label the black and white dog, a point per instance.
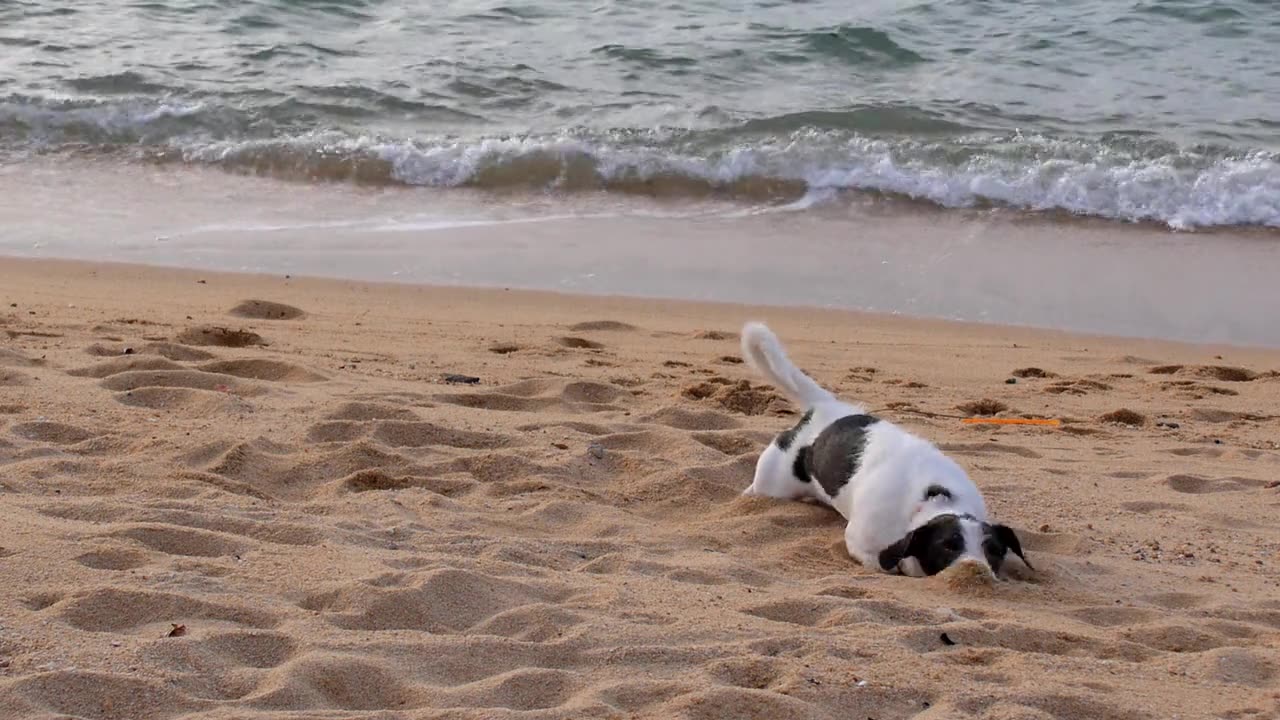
(909, 507)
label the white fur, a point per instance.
(883, 500)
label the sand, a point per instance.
(227, 496)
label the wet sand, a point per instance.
(860, 253)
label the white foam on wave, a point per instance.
(1184, 190)
(53, 115)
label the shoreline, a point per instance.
(19, 271)
(1077, 275)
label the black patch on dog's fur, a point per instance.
(935, 491)
(935, 545)
(997, 541)
(837, 452)
(800, 468)
(786, 437)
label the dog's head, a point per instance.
(950, 538)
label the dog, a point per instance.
(910, 508)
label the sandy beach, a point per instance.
(253, 496)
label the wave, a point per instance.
(1183, 189)
(801, 159)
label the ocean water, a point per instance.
(1164, 111)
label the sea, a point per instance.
(1141, 123)
(1164, 111)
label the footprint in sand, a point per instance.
(54, 433)
(171, 351)
(1021, 638)
(261, 469)
(537, 623)
(265, 310)
(1028, 373)
(174, 351)
(751, 671)
(404, 433)
(187, 531)
(113, 559)
(189, 379)
(1175, 600)
(603, 326)
(1080, 386)
(15, 359)
(1110, 616)
(363, 411)
(736, 702)
(374, 480)
(1223, 373)
(578, 343)
(1237, 666)
(186, 542)
(258, 649)
(1207, 452)
(637, 696)
(577, 427)
(98, 695)
(1192, 390)
(1147, 507)
(523, 689)
(1211, 415)
(1198, 485)
(13, 378)
(147, 612)
(176, 399)
(123, 364)
(989, 449)
(808, 612)
(158, 383)
(444, 601)
(732, 443)
(1176, 638)
(331, 682)
(263, 369)
(38, 601)
(541, 395)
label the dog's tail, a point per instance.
(764, 353)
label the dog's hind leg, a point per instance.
(775, 476)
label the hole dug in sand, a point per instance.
(218, 336)
(985, 407)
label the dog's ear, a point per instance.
(892, 555)
(911, 545)
(1006, 537)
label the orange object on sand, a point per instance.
(1010, 421)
